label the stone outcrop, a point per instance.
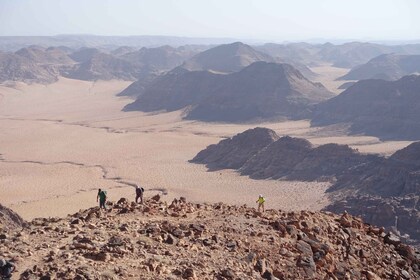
(184, 240)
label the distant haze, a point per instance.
(269, 20)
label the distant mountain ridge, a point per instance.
(385, 67)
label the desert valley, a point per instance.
(328, 134)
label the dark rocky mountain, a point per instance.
(386, 67)
(296, 159)
(385, 191)
(138, 87)
(233, 152)
(386, 109)
(261, 90)
(262, 154)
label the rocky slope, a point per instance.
(384, 191)
(386, 109)
(386, 67)
(261, 90)
(184, 240)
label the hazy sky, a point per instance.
(252, 19)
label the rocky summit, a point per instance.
(184, 240)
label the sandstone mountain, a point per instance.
(386, 67)
(261, 90)
(183, 240)
(386, 109)
(357, 179)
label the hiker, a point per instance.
(260, 202)
(139, 194)
(102, 199)
(6, 269)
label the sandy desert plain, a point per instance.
(59, 143)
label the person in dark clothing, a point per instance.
(102, 199)
(6, 269)
(139, 194)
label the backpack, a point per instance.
(139, 191)
(6, 270)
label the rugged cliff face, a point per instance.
(206, 241)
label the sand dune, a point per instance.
(60, 142)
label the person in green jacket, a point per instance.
(260, 202)
(102, 199)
